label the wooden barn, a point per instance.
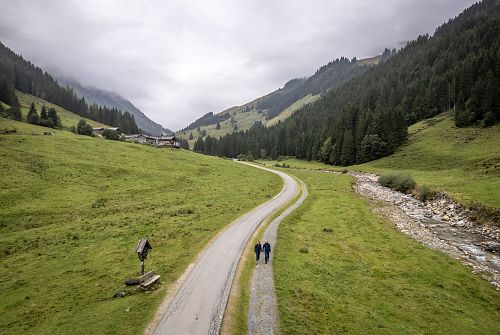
(163, 141)
(168, 141)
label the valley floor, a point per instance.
(73, 207)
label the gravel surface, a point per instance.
(262, 311)
(198, 304)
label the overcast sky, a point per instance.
(177, 60)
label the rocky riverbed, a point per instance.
(440, 224)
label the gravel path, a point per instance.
(263, 312)
(198, 303)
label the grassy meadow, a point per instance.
(340, 269)
(72, 209)
(292, 109)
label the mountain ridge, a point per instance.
(367, 117)
(276, 106)
(19, 74)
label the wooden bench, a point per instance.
(148, 279)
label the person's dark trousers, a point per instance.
(266, 254)
(257, 256)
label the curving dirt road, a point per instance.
(198, 305)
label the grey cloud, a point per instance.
(177, 60)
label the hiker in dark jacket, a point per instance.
(258, 250)
(267, 249)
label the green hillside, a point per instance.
(371, 61)
(243, 120)
(73, 208)
(463, 162)
(292, 109)
(68, 119)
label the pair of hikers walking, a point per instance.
(266, 248)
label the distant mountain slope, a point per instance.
(113, 100)
(282, 103)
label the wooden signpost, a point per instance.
(145, 280)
